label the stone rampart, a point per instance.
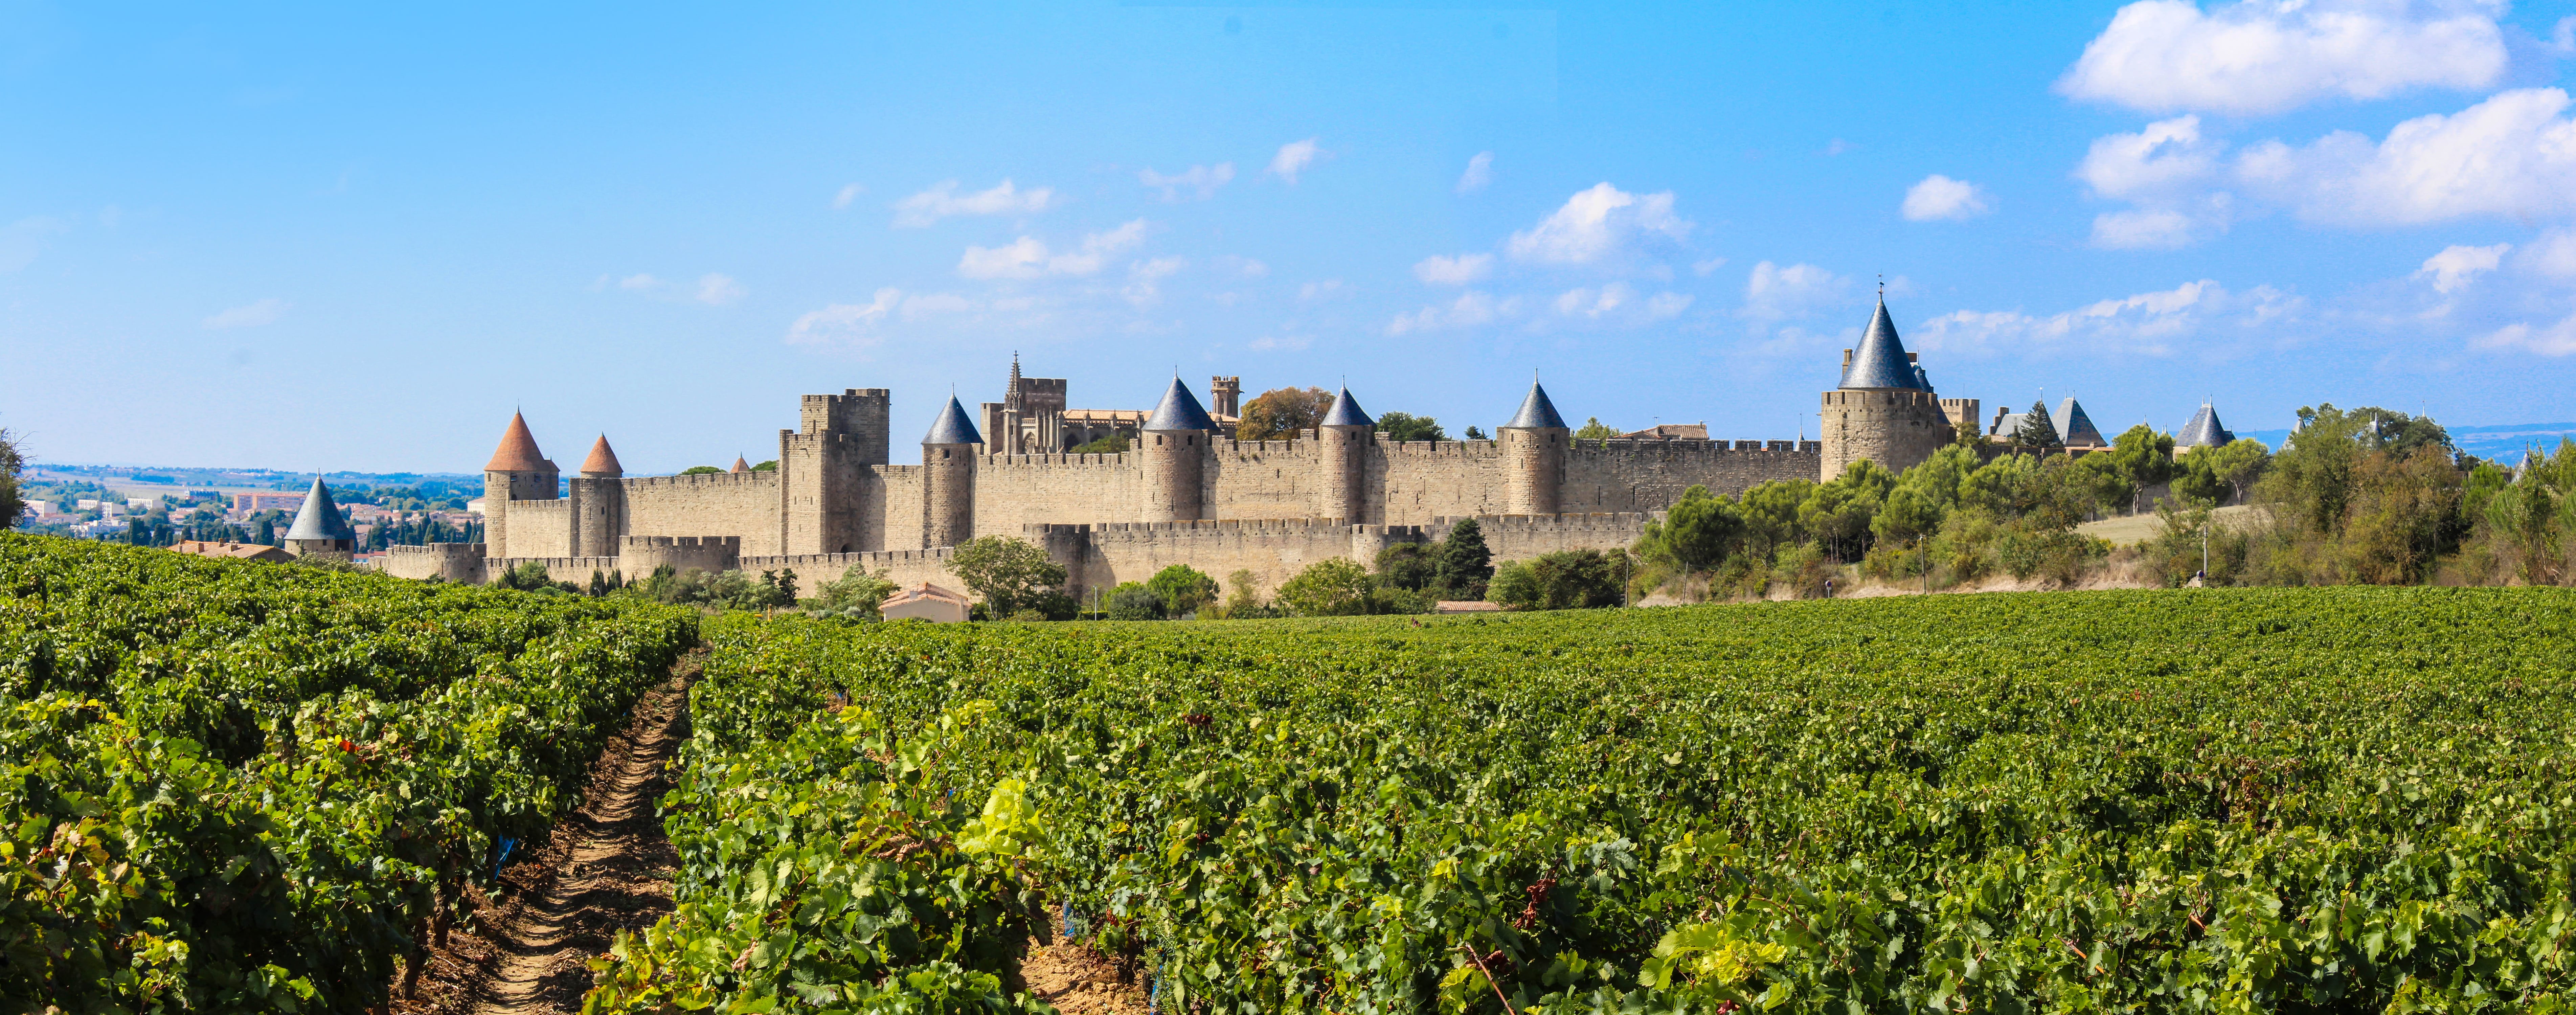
(1012, 491)
(903, 567)
(639, 556)
(743, 504)
(456, 562)
(576, 570)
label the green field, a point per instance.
(2243, 800)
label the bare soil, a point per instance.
(1079, 980)
(604, 869)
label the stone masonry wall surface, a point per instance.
(722, 504)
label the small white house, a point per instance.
(926, 602)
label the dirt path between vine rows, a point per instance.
(605, 868)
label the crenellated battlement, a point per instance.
(703, 480)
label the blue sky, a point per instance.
(352, 237)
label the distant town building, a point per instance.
(267, 501)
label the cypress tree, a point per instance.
(1463, 564)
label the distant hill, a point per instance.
(236, 479)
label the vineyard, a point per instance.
(240, 787)
(2324, 799)
(245, 787)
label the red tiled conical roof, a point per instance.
(518, 451)
(602, 461)
(739, 465)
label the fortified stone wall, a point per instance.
(903, 567)
(1275, 550)
(1650, 475)
(541, 528)
(893, 496)
(1264, 479)
(1520, 537)
(1412, 482)
(641, 555)
(576, 570)
(456, 562)
(743, 504)
(1013, 491)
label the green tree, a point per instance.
(1838, 514)
(2238, 463)
(1593, 430)
(1697, 533)
(1243, 595)
(2144, 458)
(1114, 444)
(701, 470)
(1965, 433)
(1182, 590)
(1398, 426)
(1337, 587)
(11, 462)
(1009, 574)
(1133, 601)
(1412, 566)
(1474, 434)
(1565, 580)
(1283, 414)
(858, 593)
(768, 466)
(1907, 516)
(2036, 431)
(1770, 513)
(1463, 563)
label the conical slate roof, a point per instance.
(1347, 412)
(2074, 428)
(1179, 411)
(953, 426)
(1537, 413)
(518, 451)
(319, 518)
(602, 460)
(2204, 430)
(1880, 361)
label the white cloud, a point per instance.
(2270, 56)
(942, 201)
(642, 283)
(1940, 197)
(1596, 223)
(2143, 229)
(1200, 181)
(1708, 267)
(846, 324)
(848, 194)
(2456, 266)
(1249, 268)
(2552, 340)
(2552, 255)
(1773, 292)
(1480, 171)
(2510, 156)
(1281, 343)
(1470, 309)
(2152, 324)
(1293, 158)
(1667, 304)
(249, 315)
(1144, 280)
(1593, 303)
(1459, 270)
(2169, 157)
(1320, 290)
(718, 290)
(1028, 257)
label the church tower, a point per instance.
(1174, 447)
(1884, 410)
(1534, 446)
(1348, 436)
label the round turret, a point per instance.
(948, 478)
(517, 471)
(1347, 434)
(1173, 448)
(1884, 411)
(1534, 446)
(598, 502)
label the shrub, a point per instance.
(1134, 601)
(1338, 587)
(1181, 590)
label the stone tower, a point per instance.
(822, 467)
(1534, 446)
(948, 478)
(517, 471)
(1225, 396)
(1348, 435)
(1174, 448)
(318, 526)
(598, 503)
(1884, 411)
